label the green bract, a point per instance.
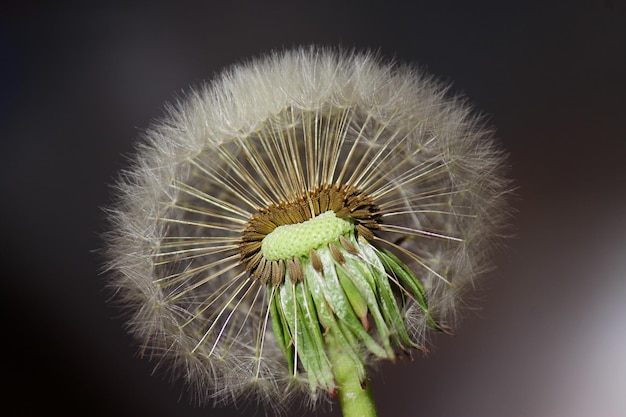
(345, 285)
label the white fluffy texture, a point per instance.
(429, 163)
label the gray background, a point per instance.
(78, 82)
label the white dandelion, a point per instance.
(301, 217)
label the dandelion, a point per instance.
(302, 217)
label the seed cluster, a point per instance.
(346, 202)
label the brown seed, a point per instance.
(336, 253)
(316, 261)
(365, 232)
(348, 246)
(258, 269)
(278, 272)
(294, 269)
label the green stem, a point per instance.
(355, 397)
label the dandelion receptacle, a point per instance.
(299, 218)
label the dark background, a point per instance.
(79, 82)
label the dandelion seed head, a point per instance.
(306, 193)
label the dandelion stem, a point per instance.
(355, 396)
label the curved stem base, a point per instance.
(355, 396)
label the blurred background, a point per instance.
(79, 82)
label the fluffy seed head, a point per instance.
(334, 186)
